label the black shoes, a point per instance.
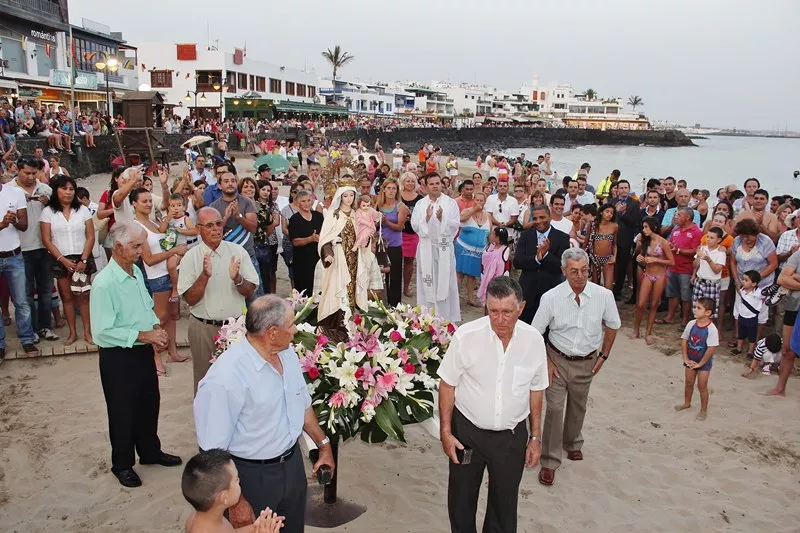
(163, 459)
(30, 350)
(128, 478)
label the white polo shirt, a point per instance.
(31, 238)
(493, 385)
(11, 199)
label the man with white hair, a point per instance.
(397, 156)
(254, 403)
(581, 321)
(126, 330)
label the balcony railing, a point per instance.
(42, 6)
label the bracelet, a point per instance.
(241, 280)
(59, 258)
(534, 437)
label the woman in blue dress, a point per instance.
(470, 245)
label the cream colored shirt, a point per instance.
(493, 385)
(221, 299)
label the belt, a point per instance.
(280, 459)
(218, 323)
(570, 357)
(12, 253)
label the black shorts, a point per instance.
(60, 271)
(748, 328)
(789, 318)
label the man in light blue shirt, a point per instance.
(682, 196)
(254, 403)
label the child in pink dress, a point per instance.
(365, 218)
(495, 260)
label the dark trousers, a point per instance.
(130, 386)
(264, 265)
(394, 279)
(39, 274)
(624, 259)
(280, 486)
(503, 453)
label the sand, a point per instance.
(646, 467)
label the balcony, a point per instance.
(45, 12)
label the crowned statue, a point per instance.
(343, 272)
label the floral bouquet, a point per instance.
(232, 332)
(383, 378)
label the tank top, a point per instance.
(393, 237)
(154, 243)
(410, 204)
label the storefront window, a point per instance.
(15, 55)
(46, 58)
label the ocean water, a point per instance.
(713, 163)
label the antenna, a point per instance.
(208, 36)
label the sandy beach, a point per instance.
(646, 467)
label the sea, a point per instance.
(715, 162)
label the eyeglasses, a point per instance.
(212, 225)
(500, 207)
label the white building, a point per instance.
(191, 76)
(360, 98)
(468, 100)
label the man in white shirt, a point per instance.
(12, 265)
(397, 156)
(200, 172)
(584, 196)
(499, 368)
(503, 209)
(581, 318)
(557, 219)
(38, 262)
(572, 196)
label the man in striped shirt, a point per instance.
(581, 321)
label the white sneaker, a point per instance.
(766, 370)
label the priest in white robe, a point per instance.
(436, 221)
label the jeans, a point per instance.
(13, 268)
(39, 274)
(259, 289)
(263, 264)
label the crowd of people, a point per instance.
(214, 239)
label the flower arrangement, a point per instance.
(381, 379)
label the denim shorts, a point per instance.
(679, 285)
(161, 284)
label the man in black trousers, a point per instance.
(498, 364)
(126, 330)
(629, 219)
(538, 256)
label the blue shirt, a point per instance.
(212, 194)
(245, 406)
(670, 214)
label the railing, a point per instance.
(42, 6)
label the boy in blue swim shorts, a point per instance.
(699, 340)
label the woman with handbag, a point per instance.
(390, 248)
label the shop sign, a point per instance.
(83, 80)
(43, 35)
(33, 93)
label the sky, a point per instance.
(719, 63)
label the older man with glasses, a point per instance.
(581, 321)
(215, 278)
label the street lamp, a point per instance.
(110, 65)
(195, 93)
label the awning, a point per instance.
(287, 106)
(8, 84)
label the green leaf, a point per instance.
(372, 434)
(308, 340)
(387, 419)
(420, 341)
(420, 412)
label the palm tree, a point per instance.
(590, 94)
(337, 58)
(634, 101)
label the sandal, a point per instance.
(732, 344)
(736, 351)
(174, 299)
(161, 373)
(664, 321)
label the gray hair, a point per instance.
(265, 312)
(124, 232)
(301, 193)
(573, 254)
(206, 211)
(688, 211)
(503, 287)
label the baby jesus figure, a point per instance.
(365, 219)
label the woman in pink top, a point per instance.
(495, 260)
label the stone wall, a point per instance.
(469, 142)
(88, 161)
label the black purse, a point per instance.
(381, 253)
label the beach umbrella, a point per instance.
(196, 140)
(275, 163)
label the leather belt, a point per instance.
(280, 459)
(570, 357)
(12, 253)
(218, 323)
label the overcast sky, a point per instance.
(725, 63)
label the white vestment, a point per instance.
(437, 286)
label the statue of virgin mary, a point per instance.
(342, 273)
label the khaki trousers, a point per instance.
(201, 344)
(563, 432)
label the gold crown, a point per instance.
(337, 175)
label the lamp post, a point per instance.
(195, 93)
(221, 87)
(110, 65)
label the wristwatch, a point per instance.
(324, 442)
(602, 355)
(84, 261)
(534, 437)
(239, 283)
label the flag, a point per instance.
(143, 67)
(24, 43)
(177, 73)
(91, 56)
(128, 64)
(187, 75)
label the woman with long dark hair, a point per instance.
(266, 241)
(654, 255)
(601, 245)
(68, 234)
